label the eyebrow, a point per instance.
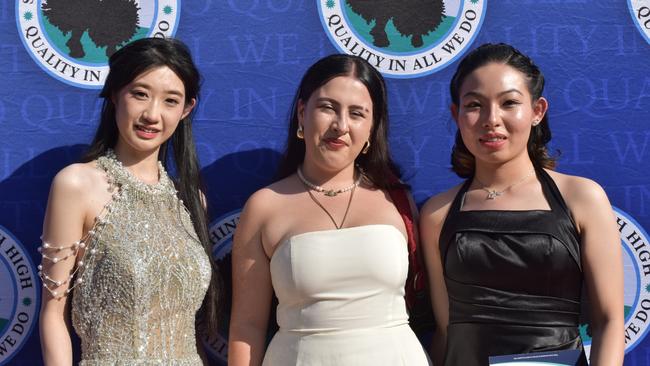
(170, 91)
(333, 101)
(513, 90)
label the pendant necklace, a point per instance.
(330, 193)
(493, 193)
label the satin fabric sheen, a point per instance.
(514, 280)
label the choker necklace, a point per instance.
(493, 193)
(327, 192)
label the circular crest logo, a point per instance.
(221, 232)
(72, 39)
(403, 39)
(19, 296)
(636, 267)
(640, 10)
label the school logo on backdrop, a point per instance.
(636, 267)
(19, 296)
(73, 39)
(221, 232)
(405, 38)
(640, 10)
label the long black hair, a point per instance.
(377, 164)
(462, 160)
(124, 66)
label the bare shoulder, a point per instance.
(255, 220)
(258, 204)
(77, 194)
(77, 179)
(262, 204)
(265, 198)
(586, 200)
(436, 208)
(579, 192)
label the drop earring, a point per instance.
(366, 147)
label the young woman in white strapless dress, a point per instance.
(327, 238)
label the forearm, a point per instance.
(438, 345)
(55, 340)
(608, 345)
(245, 346)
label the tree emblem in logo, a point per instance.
(73, 39)
(406, 38)
(414, 18)
(109, 23)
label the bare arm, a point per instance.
(252, 289)
(63, 226)
(432, 217)
(601, 249)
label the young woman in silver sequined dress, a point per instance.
(127, 241)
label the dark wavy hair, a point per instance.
(125, 65)
(377, 164)
(462, 160)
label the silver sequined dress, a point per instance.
(144, 277)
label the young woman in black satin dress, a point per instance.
(508, 251)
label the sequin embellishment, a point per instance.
(144, 277)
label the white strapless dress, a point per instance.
(341, 300)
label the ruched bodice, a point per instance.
(514, 279)
(145, 276)
(341, 299)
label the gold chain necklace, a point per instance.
(330, 193)
(493, 193)
(347, 209)
(327, 192)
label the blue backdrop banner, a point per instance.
(594, 54)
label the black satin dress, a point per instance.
(514, 280)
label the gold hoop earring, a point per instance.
(300, 133)
(366, 147)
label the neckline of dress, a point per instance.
(121, 175)
(535, 210)
(330, 231)
(465, 189)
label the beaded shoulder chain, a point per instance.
(55, 254)
(50, 252)
(125, 186)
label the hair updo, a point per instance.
(462, 160)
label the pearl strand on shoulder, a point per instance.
(51, 284)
